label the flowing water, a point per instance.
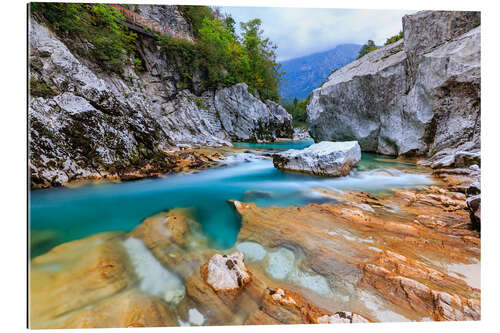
(58, 215)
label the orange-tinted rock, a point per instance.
(387, 250)
(342, 318)
(131, 309)
(77, 274)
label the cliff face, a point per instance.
(418, 96)
(87, 122)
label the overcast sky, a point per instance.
(303, 31)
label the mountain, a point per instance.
(304, 74)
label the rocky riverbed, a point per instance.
(402, 254)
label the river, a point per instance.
(59, 215)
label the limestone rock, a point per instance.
(380, 255)
(324, 158)
(474, 207)
(246, 118)
(418, 96)
(130, 309)
(226, 273)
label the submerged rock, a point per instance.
(324, 158)
(252, 251)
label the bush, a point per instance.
(394, 38)
(219, 55)
(41, 89)
(298, 111)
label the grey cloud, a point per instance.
(303, 31)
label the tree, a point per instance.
(222, 57)
(367, 48)
(264, 69)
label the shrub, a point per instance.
(394, 38)
(298, 111)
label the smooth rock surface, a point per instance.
(324, 158)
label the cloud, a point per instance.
(303, 31)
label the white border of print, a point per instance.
(13, 163)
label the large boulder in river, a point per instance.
(324, 158)
(418, 96)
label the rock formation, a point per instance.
(324, 158)
(418, 96)
(90, 123)
(386, 254)
(259, 121)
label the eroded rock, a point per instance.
(395, 244)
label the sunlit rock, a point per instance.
(90, 283)
(348, 248)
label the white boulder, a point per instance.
(325, 158)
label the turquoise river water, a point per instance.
(58, 215)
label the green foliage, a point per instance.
(394, 38)
(195, 15)
(41, 89)
(97, 23)
(222, 57)
(200, 103)
(138, 65)
(298, 111)
(219, 58)
(367, 48)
